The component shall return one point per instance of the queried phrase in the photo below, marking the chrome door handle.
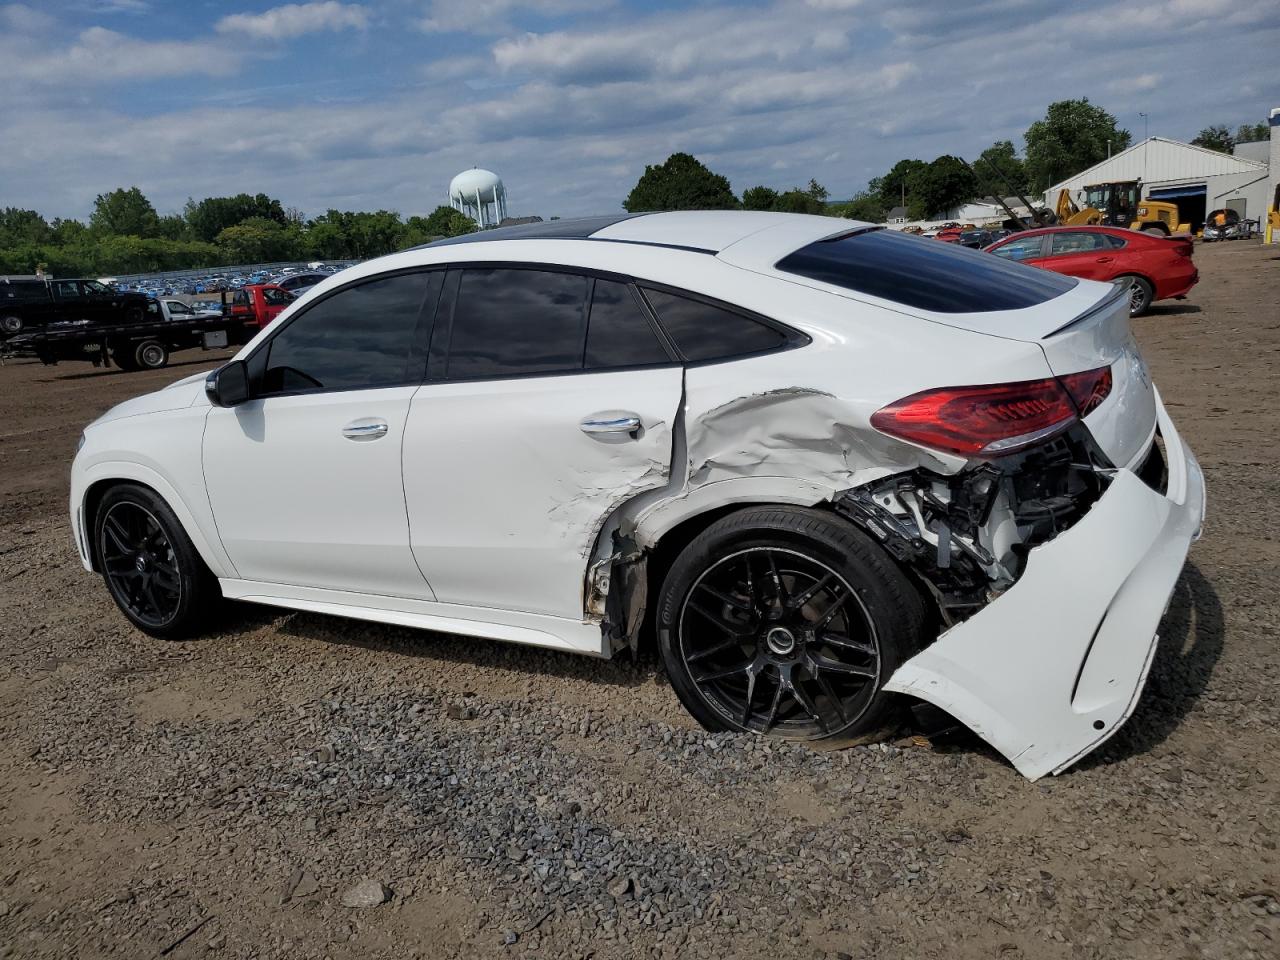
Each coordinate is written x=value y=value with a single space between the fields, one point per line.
x=610 y=422
x=367 y=429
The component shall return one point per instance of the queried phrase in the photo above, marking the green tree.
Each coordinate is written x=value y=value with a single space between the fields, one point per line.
x=23 y=226
x=1001 y=157
x=896 y=184
x=1217 y=137
x=124 y=213
x=259 y=240
x=68 y=232
x=759 y=198
x=810 y=199
x=865 y=206
x=447 y=222
x=680 y=183
x=942 y=184
x=1253 y=132
x=174 y=226
x=1073 y=136
x=212 y=215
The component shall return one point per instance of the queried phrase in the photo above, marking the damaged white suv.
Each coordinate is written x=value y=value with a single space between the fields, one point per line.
x=822 y=464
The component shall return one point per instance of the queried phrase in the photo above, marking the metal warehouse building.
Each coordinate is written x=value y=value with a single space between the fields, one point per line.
x=1199 y=181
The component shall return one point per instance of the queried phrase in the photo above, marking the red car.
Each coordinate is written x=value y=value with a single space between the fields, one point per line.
x=1160 y=268
x=257 y=304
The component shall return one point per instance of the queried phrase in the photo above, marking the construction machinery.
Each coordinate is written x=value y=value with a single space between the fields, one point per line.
x=1119 y=203
x=1272 y=226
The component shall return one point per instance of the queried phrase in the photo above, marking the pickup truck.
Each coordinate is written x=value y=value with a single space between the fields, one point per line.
x=257 y=304
x=33 y=303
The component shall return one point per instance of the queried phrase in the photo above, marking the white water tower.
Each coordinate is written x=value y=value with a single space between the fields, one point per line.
x=480 y=195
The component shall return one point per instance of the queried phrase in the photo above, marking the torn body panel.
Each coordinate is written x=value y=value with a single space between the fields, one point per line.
x=1051 y=668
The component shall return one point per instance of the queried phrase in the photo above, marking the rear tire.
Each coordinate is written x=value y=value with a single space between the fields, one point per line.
x=787 y=622
x=150 y=566
x=151 y=355
x=1140 y=295
x=10 y=324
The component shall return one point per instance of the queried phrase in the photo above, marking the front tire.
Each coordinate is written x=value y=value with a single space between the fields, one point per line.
x=151 y=568
x=787 y=622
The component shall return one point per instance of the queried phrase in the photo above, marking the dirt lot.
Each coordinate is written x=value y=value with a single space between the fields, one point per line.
x=222 y=797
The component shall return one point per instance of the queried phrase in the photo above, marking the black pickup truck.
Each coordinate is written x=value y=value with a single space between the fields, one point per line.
x=33 y=303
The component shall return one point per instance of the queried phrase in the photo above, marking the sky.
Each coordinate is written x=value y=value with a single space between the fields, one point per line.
x=377 y=104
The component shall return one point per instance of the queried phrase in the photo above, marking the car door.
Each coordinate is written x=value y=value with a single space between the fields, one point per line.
x=549 y=401
x=274 y=301
x=304 y=478
x=69 y=302
x=1082 y=253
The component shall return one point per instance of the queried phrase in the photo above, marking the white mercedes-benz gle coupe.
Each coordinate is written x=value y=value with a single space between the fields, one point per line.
x=820 y=464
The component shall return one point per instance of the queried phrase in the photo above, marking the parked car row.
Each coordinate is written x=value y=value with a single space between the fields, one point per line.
x=298 y=278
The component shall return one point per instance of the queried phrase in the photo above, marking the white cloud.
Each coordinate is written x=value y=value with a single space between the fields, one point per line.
x=296 y=19
x=101 y=56
x=491 y=16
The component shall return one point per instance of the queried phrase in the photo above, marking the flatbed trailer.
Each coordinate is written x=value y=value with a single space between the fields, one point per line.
x=130 y=346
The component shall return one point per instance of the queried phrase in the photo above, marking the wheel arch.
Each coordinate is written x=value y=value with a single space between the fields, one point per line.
x=103 y=476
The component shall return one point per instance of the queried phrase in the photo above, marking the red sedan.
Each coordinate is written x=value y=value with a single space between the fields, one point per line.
x=1160 y=268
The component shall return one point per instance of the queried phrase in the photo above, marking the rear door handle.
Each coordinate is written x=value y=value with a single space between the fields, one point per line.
x=1104 y=259
x=610 y=423
x=367 y=428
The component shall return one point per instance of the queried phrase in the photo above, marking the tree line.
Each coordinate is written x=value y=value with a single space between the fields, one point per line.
x=1072 y=136
x=126 y=235
x=1219 y=136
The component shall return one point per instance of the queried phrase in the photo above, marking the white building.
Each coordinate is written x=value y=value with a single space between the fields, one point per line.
x=1198 y=180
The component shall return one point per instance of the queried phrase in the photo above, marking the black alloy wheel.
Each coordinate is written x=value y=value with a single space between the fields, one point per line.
x=786 y=622
x=140 y=565
x=779 y=643
x=151 y=568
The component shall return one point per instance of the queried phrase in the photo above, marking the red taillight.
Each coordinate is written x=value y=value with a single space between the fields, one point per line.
x=995 y=419
x=1088 y=389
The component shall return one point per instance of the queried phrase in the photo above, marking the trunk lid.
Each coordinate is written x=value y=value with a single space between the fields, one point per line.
x=1125 y=422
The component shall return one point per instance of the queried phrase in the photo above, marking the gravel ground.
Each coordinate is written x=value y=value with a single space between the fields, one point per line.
x=302 y=786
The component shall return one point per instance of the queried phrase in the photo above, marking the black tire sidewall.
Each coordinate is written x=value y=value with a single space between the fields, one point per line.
x=198 y=587
x=891 y=601
x=139 y=350
x=1148 y=294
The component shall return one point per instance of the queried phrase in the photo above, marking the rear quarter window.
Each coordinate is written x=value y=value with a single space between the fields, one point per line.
x=923 y=273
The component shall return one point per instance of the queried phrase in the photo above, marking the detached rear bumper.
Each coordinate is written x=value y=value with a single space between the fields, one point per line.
x=1054 y=666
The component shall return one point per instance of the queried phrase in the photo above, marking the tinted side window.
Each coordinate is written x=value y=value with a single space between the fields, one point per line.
x=361 y=337
x=512 y=322
x=1077 y=242
x=925 y=274
x=618 y=332
x=704 y=332
x=277 y=298
x=1025 y=248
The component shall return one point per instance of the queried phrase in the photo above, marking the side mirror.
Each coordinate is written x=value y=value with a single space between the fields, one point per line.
x=228 y=385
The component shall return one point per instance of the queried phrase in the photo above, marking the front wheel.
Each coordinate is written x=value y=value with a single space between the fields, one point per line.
x=786 y=622
x=151 y=568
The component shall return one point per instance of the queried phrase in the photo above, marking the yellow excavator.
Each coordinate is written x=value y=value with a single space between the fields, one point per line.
x=1120 y=204
x=1273 y=218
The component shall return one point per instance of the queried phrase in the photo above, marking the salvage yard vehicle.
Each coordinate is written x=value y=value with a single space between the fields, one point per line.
x=821 y=465
x=145 y=344
x=257 y=304
x=31 y=303
x=1155 y=268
